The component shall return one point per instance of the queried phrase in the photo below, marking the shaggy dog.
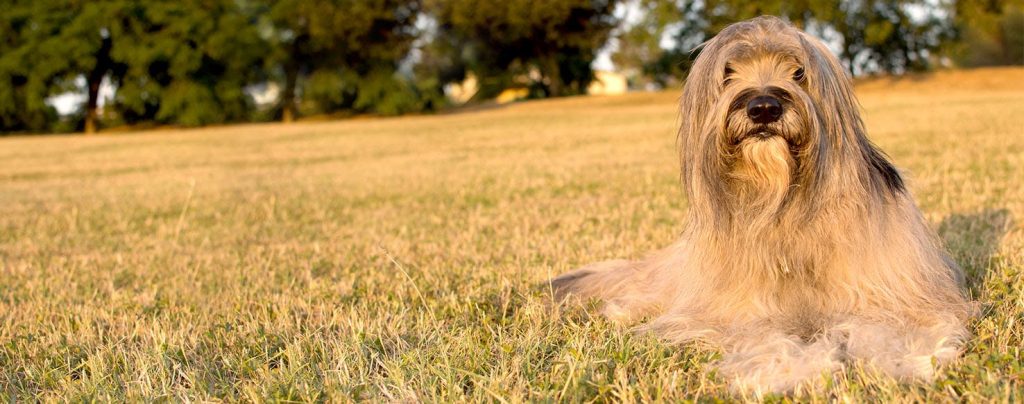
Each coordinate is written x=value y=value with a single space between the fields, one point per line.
x=802 y=250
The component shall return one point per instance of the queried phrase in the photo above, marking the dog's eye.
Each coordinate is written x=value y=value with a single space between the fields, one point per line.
x=728 y=75
x=798 y=75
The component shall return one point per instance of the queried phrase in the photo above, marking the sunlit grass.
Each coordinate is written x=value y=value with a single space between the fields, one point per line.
x=403 y=259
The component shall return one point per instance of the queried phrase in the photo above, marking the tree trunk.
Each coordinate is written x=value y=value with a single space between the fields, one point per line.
x=93 y=82
x=847 y=55
x=554 y=76
x=288 y=96
x=288 y=114
x=90 y=121
x=92 y=102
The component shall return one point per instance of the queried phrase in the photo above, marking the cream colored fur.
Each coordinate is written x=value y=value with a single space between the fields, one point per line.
x=802 y=252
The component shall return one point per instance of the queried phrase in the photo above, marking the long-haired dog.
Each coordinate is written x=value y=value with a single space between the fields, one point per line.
x=802 y=250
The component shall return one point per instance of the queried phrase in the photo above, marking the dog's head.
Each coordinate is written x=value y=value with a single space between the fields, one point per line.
x=766 y=108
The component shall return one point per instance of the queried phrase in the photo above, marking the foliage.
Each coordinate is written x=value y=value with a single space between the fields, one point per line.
x=882 y=36
x=334 y=54
x=548 y=45
x=991 y=32
x=641 y=54
x=199 y=62
x=872 y=35
x=23 y=89
x=187 y=63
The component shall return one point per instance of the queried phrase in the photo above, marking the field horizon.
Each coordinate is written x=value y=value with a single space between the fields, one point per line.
x=403 y=259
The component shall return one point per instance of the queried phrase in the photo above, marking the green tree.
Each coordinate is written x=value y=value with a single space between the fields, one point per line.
x=883 y=35
x=340 y=54
x=186 y=62
x=25 y=81
x=172 y=62
x=506 y=40
x=873 y=35
x=640 y=54
x=990 y=32
x=77 y=48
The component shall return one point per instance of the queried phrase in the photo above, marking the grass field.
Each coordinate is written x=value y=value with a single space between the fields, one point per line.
x=399 y=259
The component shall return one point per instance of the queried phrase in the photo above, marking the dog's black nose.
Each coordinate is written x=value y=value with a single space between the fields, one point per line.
x=764 y=109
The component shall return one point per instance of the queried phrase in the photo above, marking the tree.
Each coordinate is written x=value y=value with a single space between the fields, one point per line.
x=179 y=62
x=989 y=32
x=186 y=62
x=873 y=35
x=884 y=36
x=339 y=54
x=509 y=40
x=640 y=54
x=78 y=47
x=24 y=79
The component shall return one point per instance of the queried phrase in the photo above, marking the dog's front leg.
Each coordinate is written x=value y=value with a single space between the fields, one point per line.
x=622 y=287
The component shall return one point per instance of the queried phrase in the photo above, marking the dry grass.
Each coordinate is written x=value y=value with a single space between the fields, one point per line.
x=397 y=259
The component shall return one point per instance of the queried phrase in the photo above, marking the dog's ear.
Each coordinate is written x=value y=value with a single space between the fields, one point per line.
x=701 y=89
x=697 y=142
x=831 y=86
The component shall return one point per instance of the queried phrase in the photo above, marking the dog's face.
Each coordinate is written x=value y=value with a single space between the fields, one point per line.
x=766 y=109
x=764 y=89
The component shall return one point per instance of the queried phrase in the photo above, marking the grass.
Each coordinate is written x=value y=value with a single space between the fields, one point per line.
x=399 y=259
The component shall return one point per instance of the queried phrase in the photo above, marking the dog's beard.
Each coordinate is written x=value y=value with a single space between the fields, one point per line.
x=761 y=176
x=762 y=160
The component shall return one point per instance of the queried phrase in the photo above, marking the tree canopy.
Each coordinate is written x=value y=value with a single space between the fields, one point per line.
x=990 y=32
x=870 y=36
x=339 y=54
x=548 y=45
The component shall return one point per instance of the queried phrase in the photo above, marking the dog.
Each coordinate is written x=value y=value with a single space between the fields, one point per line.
x=803 y=251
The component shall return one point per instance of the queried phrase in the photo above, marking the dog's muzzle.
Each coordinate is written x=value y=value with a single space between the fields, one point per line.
x=764 y=109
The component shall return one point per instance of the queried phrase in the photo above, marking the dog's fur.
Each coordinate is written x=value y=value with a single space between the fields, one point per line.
x=802 y=250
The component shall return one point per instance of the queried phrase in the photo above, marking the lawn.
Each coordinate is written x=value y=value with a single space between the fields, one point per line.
x=401 y=259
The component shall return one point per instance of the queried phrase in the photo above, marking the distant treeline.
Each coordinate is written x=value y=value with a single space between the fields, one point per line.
x=198 y=62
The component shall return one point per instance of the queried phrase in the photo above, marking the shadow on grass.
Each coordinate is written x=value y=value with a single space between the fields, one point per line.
x=973 y=241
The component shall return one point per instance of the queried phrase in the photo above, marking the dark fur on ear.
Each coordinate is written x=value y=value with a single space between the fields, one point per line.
x=891 y=181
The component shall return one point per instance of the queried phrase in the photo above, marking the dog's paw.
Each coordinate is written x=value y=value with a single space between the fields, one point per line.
x=907 y=353
x=618 y=286
x=598 y=280
x=777 y=363
x=569 y=284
